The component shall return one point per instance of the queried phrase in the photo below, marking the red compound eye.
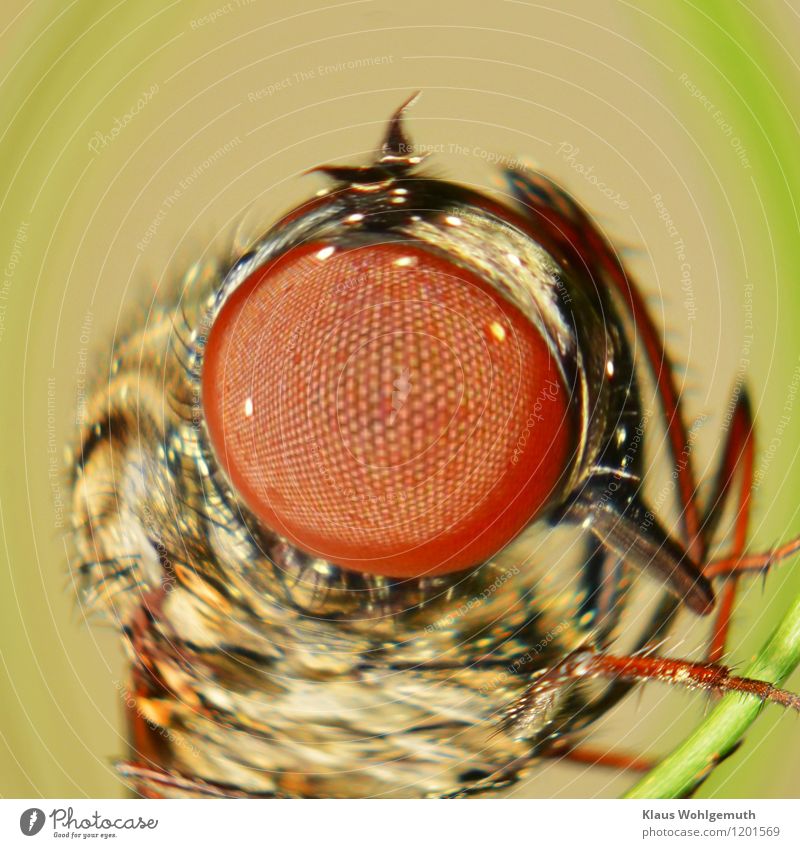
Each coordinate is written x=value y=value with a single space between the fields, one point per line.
x=384 y=409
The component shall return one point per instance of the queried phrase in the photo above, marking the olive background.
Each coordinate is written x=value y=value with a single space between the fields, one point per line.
x=645 y=111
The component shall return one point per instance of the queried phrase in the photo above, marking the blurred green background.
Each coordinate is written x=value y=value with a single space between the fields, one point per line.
x=648 y=111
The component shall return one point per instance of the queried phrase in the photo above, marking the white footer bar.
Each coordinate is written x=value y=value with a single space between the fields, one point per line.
x=401 y=824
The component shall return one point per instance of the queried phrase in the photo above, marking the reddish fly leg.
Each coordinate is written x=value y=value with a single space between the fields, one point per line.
x=586 y=663
x=736 y=461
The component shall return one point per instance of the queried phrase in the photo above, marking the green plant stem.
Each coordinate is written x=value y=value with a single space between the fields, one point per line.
x=678 y=773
